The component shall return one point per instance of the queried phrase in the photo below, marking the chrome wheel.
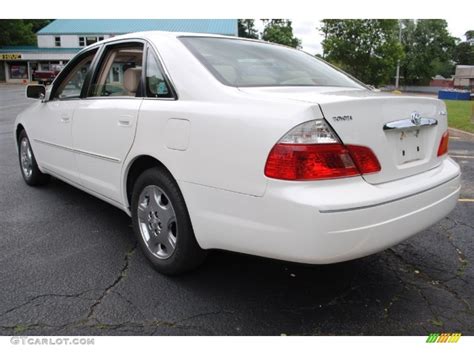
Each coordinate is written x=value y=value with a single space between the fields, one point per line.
x=26 y=157
x=157 y=222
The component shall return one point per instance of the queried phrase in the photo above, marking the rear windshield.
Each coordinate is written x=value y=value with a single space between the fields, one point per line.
x=246 y=63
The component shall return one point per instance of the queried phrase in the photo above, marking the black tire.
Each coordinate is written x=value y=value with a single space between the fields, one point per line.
x=36 y=178
x=187 y=254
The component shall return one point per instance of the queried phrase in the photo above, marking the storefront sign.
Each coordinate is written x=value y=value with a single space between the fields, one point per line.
x=10 y=56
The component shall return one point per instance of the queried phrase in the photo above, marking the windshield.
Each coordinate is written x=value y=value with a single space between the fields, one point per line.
x=246 y=63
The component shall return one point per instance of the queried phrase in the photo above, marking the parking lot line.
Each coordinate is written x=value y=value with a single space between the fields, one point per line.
x=466 y=200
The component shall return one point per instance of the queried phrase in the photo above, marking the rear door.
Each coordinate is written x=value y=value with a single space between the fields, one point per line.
x=105 y=121
x=403 y=132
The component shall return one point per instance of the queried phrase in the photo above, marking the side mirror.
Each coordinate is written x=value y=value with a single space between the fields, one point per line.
x=36 y=92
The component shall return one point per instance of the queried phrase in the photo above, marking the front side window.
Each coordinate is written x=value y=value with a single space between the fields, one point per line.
x=243 y=63
x=156 y=85
x=71 y=86
x=119 y=72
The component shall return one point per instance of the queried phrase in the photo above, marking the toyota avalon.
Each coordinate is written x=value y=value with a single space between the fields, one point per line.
x=214 y=142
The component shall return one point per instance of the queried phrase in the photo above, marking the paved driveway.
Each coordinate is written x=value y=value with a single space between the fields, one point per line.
x=69 y=265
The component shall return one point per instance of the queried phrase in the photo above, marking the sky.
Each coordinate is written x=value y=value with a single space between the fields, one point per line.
x=311 y=37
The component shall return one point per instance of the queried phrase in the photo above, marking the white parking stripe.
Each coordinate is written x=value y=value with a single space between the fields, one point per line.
x=462 y=156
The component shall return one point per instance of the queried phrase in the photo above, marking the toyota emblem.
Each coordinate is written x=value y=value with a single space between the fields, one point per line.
x=416 y=118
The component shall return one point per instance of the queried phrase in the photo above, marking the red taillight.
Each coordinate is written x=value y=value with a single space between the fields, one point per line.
x=312 y=151
x=443 y=144
x=319 y=161
x=364 y=158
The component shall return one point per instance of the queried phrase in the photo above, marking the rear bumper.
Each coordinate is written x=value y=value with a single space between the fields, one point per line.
x=322 y=222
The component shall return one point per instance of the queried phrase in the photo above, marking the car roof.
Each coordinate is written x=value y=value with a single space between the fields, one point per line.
x=164 y=34
x=156 y=35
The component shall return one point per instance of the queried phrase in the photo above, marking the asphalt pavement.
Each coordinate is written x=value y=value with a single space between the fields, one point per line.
x=69 y=265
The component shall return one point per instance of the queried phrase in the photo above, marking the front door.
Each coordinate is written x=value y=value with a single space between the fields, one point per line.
x=52 y=130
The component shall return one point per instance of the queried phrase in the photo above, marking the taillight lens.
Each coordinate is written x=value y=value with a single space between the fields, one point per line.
x=309 y=162
x=364 y=158
x=312 y=151
x=443 y=144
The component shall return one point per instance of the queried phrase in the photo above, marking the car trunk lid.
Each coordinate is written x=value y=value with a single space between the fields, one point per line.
x=404 y=132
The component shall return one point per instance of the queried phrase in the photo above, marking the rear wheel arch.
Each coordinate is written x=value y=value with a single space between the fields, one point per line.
x=136 y=167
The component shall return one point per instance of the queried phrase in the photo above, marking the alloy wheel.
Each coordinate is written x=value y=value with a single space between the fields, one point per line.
x=26 y=157
x=157 y=222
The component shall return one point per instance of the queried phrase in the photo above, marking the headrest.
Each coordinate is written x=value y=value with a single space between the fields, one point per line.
x=131 y=78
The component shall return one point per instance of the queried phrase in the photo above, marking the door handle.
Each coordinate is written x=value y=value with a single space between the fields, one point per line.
x=124 y=123
x=65 y=118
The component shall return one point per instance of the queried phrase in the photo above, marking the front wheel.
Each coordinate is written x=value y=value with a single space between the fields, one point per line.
x=162 y=225
x=29 y=168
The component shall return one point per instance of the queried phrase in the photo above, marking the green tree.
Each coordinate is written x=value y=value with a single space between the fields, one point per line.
x=247 y=28
x=429 y=50
x=37 y=25
x=367 y=49
x=16 y=32
x=464 y=54
x=280 y=31
x=20 y=32
x=469 y=35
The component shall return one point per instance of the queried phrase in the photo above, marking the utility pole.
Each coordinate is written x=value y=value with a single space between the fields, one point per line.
x=397 y=78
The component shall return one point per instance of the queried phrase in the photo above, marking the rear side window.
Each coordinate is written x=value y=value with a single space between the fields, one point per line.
x=119 y=72
x=243 y=63
x=156 y=84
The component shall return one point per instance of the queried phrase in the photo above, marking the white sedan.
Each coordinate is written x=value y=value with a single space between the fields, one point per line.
x=213 y=142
